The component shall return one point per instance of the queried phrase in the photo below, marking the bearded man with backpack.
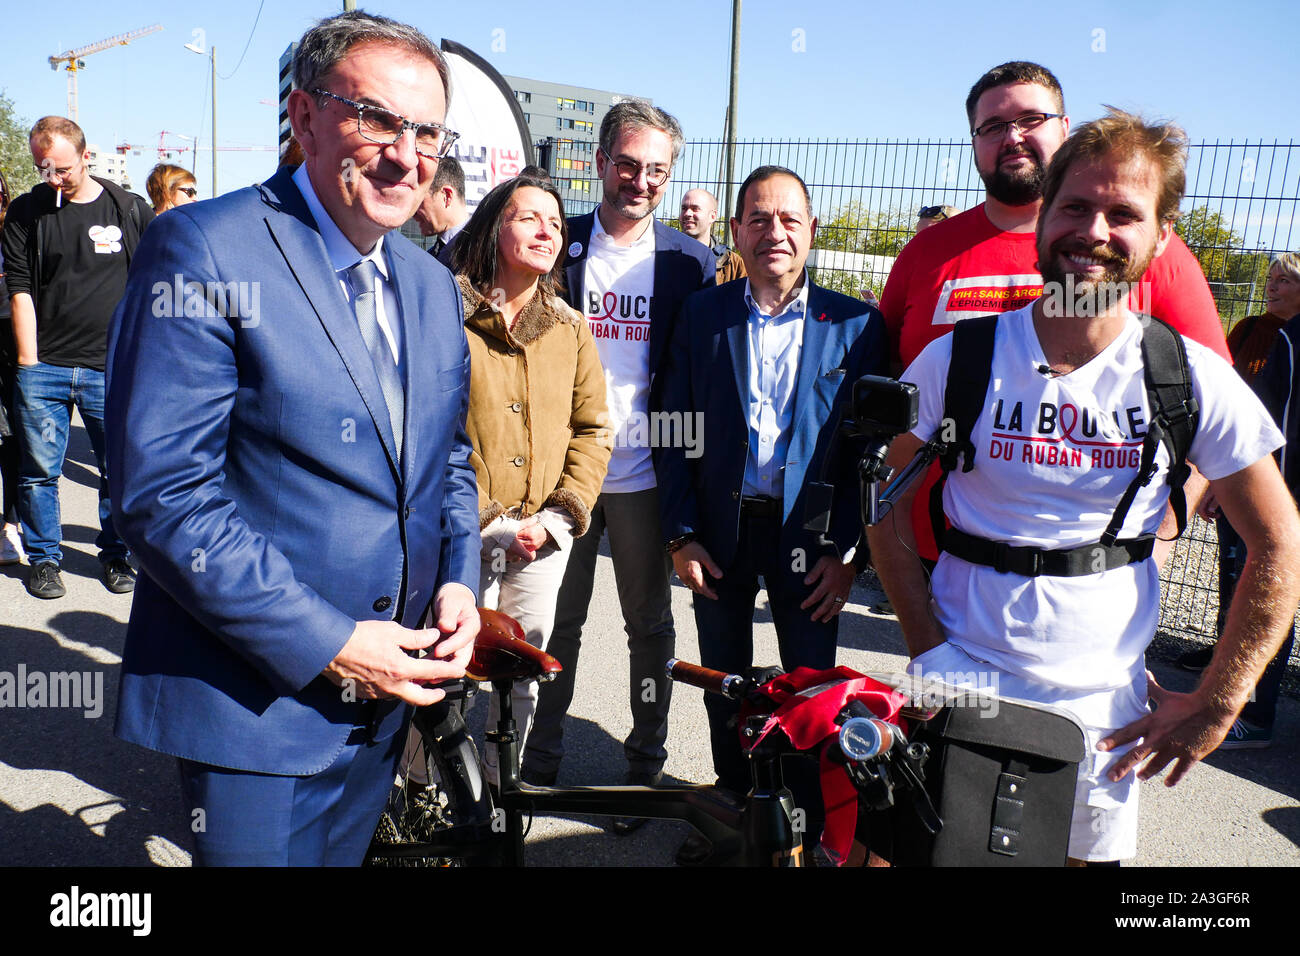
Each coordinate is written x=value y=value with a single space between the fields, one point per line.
x=1083 y=417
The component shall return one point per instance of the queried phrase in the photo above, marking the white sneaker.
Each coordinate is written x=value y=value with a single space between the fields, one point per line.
x=11 y=545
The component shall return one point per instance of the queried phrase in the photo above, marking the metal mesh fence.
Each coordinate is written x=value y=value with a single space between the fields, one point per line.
x=1239 y=211
x=1189 y=584
x=1189 y=593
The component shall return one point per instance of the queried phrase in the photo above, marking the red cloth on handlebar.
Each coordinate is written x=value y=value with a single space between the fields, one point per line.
x=807 y=703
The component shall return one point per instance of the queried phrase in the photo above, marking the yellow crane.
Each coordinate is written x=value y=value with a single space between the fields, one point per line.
x=74 y=61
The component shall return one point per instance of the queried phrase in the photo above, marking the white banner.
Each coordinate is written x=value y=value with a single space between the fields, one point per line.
x=494 y=143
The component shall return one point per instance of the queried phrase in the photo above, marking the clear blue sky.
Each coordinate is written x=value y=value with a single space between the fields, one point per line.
x=823 y=68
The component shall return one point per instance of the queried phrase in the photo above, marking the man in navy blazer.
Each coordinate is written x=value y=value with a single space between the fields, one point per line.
x=766 y=365
x=628 y=274
x=287 y=386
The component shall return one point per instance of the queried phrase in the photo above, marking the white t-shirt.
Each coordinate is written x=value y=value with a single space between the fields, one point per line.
x=1053 y=457
x=617 y=285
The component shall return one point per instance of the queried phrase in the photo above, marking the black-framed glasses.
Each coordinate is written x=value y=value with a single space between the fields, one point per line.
x=628 y=170
x=1026 y=123
x=190 y=191
x=432 y=140
x=932 y=212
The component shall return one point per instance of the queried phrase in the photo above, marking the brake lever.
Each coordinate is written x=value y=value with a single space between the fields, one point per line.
x=911 y=765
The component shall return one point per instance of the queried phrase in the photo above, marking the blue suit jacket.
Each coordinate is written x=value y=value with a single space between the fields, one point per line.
x=708 y=373
x=682 y=266
x=255 y=478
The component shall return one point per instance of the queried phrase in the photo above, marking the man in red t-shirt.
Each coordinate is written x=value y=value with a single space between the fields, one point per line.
x=984 y=260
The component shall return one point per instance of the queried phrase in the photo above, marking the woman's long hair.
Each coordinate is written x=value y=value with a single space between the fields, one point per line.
x=475 y=254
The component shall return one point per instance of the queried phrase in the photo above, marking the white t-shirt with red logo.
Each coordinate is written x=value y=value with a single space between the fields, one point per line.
x=618 y=282
x=1053 y=457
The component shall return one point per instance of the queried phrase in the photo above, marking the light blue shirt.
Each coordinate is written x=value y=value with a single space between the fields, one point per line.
x=344 y=255
x=774 y=343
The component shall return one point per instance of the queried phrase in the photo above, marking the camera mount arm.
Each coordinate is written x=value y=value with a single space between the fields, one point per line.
x=872 y=471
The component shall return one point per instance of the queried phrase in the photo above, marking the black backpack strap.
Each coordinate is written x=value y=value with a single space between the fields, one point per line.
x=963 y=401
x=1174 y=417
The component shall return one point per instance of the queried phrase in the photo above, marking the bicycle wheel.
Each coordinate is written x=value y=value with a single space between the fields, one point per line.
x=450 y=807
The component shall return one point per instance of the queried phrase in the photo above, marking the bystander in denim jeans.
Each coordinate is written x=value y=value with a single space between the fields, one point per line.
x=44 y=396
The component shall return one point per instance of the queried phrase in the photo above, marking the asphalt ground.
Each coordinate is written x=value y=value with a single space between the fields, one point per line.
x=72 y=794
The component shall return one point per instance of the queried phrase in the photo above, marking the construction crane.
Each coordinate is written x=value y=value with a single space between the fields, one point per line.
x=165 y=150
x=75 y=63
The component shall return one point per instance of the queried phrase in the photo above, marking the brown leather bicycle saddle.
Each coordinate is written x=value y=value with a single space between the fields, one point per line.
x=502 y=654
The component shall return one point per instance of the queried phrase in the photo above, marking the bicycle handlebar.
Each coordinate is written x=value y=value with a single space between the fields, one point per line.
x=716 y=682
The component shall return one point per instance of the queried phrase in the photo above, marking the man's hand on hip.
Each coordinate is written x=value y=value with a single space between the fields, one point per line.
x=1184 y=729
x=832 y=580
x=690 y=562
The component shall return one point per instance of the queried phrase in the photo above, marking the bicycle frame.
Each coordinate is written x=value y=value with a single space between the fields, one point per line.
x=755 y=831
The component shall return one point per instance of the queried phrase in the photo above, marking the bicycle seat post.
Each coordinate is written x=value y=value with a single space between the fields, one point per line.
x=505 y=737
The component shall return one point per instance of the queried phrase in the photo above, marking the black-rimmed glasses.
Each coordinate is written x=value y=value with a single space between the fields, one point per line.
x=190 y=191
x=1026 y=123
x=432 y=140
x=628 y=170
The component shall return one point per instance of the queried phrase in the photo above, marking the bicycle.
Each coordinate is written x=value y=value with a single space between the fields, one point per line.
x=458 y=820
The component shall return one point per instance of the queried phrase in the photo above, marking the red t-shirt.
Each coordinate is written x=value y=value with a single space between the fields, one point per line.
x=965 y=266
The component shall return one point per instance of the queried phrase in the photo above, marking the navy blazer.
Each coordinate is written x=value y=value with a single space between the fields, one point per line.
x=707 y=374
x=255 y=477
x=1276 y=387
x=682 y=266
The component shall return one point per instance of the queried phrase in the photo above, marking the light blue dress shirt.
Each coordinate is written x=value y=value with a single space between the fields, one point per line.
x=774 y=343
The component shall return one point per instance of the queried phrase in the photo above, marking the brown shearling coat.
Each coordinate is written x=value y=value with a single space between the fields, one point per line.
x=537 y=416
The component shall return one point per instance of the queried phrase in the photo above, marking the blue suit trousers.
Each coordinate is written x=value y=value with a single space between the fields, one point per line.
x=726 y=636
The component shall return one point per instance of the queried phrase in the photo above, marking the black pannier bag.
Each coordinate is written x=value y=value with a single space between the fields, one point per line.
x=1002 y=780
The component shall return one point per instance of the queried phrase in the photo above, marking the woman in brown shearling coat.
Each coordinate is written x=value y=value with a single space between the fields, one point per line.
x=537 y=417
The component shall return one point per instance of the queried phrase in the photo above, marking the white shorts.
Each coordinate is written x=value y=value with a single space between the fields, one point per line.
x=1105 y=813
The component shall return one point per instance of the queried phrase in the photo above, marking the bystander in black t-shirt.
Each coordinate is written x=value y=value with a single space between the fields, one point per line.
x=83 y=273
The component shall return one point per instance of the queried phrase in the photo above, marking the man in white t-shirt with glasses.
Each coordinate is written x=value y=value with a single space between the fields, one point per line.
x=628 y=274
x=1056 y=445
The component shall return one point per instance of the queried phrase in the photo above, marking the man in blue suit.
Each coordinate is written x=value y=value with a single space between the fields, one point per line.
x=767 y=364
x=628 y=274
x=287 y=388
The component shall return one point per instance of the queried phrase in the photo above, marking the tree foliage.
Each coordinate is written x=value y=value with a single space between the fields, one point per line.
x=15 y=155
x=1236 y=276
x=856 y=228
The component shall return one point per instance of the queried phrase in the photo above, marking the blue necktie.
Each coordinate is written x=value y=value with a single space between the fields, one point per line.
x=362 y=279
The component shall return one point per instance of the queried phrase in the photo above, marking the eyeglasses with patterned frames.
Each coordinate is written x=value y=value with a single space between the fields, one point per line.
x=432 y=140
x=190 y=191
x=1027 y=123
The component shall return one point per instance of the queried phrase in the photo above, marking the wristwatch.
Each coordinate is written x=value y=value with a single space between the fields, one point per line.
x=675 y=545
